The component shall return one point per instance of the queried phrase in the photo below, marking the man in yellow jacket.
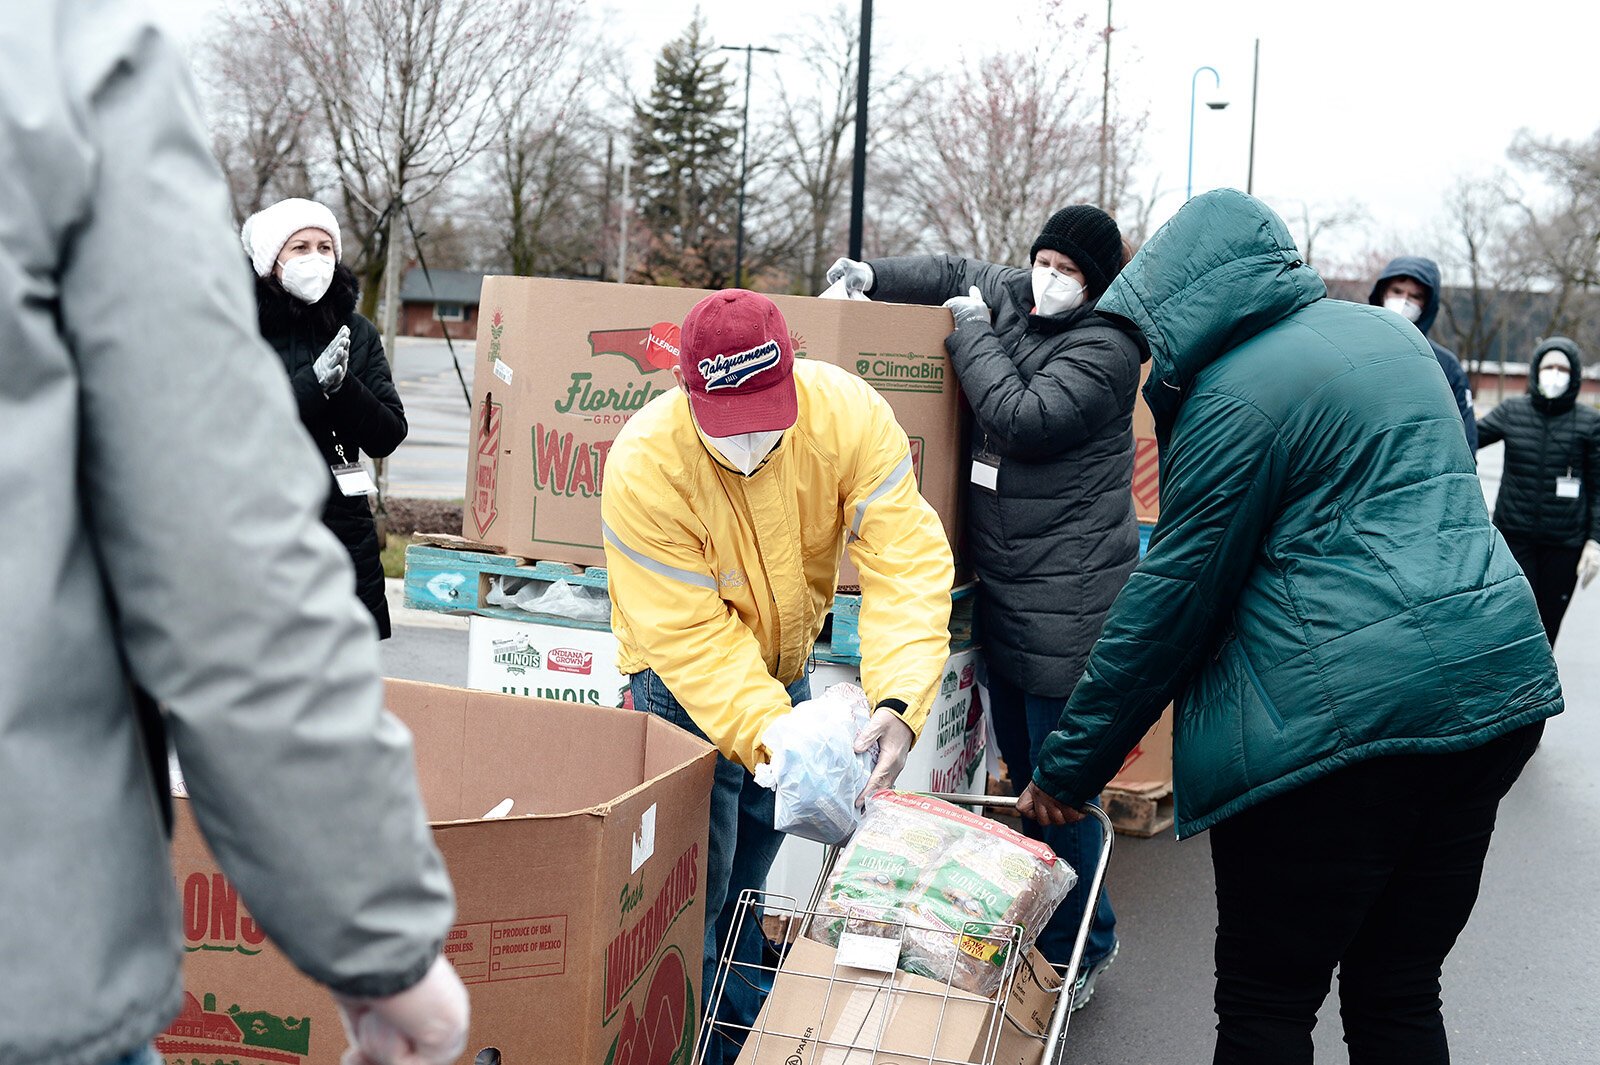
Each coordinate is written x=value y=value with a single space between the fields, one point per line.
x=728 y=505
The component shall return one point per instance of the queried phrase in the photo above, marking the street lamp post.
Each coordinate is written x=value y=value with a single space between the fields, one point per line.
x=1255 y=80
x=1216 y=104
x=744 y=154
x=858 y=168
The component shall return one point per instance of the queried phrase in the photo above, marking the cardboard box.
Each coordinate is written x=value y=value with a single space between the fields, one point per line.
x=825 y=1011
x=949 y=756
x=563 y=365
x=1149 y=764
x=1139 y=800
x=544 y=661
x=1146 y=464
x=581 y=917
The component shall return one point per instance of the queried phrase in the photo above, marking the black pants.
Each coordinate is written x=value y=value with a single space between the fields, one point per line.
x=1553 y=572
x=1373 y=869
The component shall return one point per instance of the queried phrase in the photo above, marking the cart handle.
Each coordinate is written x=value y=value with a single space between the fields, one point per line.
x=991 y=802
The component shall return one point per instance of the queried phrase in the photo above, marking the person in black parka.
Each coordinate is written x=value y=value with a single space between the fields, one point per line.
x=1050 y=526
x=306 y=300
x=1547 y=508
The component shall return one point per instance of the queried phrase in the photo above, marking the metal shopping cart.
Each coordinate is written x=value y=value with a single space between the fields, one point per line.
x=854 y=1006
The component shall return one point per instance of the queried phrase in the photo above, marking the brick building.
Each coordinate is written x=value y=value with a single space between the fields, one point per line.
x=438 y=300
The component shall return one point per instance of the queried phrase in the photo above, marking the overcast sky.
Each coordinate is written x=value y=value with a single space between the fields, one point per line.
x=1385 y=105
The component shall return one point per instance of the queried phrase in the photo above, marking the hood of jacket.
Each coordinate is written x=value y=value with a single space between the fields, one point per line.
x=1424 y=272
x=1221 y=270
x=1568 y=399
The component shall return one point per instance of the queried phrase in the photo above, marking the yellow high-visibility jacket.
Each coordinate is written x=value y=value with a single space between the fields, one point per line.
x=720 y=583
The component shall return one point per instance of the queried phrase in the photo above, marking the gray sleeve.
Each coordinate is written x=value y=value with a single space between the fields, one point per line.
x=932 y=279
x=234 y=604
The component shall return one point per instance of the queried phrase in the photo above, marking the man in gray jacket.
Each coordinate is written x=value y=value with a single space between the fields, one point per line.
x=159 y=503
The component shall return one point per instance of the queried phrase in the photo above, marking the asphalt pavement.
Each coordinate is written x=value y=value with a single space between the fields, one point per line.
x=1520 y=986
x=432 y=463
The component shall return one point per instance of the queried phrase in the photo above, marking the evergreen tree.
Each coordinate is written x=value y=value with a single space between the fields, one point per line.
x=686 y=167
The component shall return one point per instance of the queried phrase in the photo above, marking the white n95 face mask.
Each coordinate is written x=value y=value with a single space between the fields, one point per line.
x=1410 y=310
x=1553 y=383
x=745 y=452
x=1055 y=292
x=307 y=277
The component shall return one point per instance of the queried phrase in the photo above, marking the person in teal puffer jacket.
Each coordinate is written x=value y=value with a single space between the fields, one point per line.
x=1359 y=668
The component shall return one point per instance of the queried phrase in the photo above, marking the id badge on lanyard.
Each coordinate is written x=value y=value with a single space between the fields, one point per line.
x=1567 y=487
x=985 y=466
x=351 y=477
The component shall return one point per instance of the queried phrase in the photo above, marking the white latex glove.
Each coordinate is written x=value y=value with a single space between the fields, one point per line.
x=334 y=362
x=857 y=276
x=426 y=1024
x=1588 y=563
x=893 y=737
x=969 y=307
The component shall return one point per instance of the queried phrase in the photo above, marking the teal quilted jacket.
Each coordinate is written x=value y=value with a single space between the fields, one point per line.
x=1324 y=585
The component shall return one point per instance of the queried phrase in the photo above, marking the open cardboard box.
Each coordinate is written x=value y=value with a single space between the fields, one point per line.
x=580 y=916
x=822 y=1011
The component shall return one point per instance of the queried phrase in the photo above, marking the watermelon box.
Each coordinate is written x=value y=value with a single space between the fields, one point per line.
x=580 y=914
x=563 y=365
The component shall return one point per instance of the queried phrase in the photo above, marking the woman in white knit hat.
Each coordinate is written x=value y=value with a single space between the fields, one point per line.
x=306 y=298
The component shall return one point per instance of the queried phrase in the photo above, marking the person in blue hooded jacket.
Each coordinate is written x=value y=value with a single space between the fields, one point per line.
x=1409 y=286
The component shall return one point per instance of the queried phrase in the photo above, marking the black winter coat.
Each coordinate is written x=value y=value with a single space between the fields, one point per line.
x=1547 y=439
x=364 y=415
x=1053 y=399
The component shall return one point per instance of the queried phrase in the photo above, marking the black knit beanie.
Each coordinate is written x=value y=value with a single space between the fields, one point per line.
x=1089 y=237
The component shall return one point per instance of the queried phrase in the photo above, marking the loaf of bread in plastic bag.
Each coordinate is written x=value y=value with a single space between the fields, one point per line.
x=950 y=883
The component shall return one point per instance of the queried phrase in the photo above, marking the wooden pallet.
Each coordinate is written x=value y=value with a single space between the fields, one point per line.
x=457 y=579
x=1143 y=812
x=450 y=575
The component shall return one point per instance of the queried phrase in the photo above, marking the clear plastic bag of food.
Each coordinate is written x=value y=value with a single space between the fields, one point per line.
x=964 y=883
x=814 y=769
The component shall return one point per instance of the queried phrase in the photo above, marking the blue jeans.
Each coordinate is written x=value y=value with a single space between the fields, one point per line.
x=1021 y=724
x=742 y=847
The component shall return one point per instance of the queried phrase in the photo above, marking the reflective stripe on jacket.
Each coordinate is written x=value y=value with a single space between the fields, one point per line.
x=720 y=583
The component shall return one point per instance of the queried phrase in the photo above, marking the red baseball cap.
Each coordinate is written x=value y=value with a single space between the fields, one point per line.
x=738 y=362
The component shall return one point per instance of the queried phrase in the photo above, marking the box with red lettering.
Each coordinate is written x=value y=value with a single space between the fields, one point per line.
x=580 y=913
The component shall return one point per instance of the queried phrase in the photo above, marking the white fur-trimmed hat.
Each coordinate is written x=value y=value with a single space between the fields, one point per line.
x=266 y=232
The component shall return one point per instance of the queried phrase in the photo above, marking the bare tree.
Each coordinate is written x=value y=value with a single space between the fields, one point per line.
x=983 y=158
x=1558 y=238
x=816 y=122
x=1319 y=219
x=548 y=195
x=265 y=127
x=410 y=92
x=1477 y=249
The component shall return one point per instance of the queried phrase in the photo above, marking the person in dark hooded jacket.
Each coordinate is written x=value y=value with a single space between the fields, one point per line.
x=1547 y=508
x=1050 y=524
x=306 y=300
x=1409 y=286
x=1355 y=659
